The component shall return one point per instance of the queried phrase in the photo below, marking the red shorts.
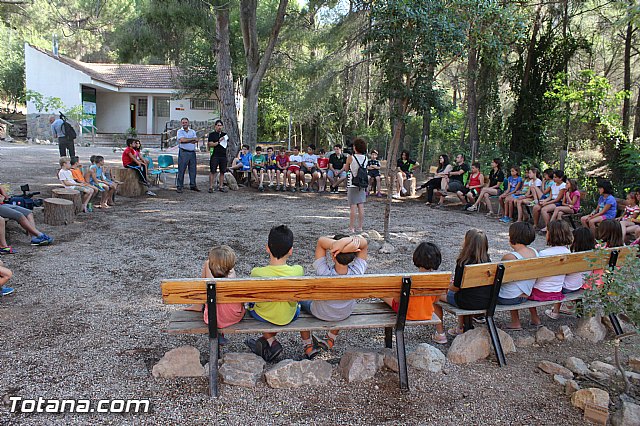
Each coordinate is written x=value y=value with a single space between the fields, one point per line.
x=294 y=168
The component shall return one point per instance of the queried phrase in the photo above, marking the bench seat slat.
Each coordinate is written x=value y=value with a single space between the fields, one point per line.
x=505 y=308
x=189 y=322
x=228 y=290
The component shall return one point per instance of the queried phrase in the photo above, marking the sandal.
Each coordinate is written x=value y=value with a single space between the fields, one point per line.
x=455 y=331
x=551 y=314
x=439 y=338
x=7 y=250
x=326 y=343
x=512 y=327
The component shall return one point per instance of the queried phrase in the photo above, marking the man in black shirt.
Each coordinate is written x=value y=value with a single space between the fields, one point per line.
x=456 y=177
x=217 y=144
x=337 y=168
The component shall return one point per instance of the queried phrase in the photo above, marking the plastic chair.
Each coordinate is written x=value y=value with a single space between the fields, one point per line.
x=151 y=170
x=166 y=166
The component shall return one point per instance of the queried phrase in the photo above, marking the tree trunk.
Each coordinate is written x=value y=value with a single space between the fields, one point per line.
x=626 y=103
x=398 y=111
x=58 y=211
x=426 y=130
x=472 y=100
x=222 y=52
x=636 y=126
x=256 y=65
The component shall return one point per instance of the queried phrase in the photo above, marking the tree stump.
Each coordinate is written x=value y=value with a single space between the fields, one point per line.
x=130 y=186
x=410 y=186
x=58 y=211
x=71 y=195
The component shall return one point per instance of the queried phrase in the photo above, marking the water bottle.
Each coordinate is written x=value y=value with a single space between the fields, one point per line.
x=90 y=207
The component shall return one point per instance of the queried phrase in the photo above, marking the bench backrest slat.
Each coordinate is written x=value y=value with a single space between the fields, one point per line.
x=524 y=269
x=235 y=290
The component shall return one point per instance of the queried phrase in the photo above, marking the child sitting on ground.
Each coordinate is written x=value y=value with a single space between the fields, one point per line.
x=559 y=238
x=426 y=258
x=349 y=256
x=521 y=235
x=66 y=178
x=5 y=276
x=373 y=170
x=220 y=264
x=280 y=248
x=506 y=198
x=475 y=250
x=583 y=240
x=606 y=209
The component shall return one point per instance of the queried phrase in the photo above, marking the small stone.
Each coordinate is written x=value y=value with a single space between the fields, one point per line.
x=591 y=329
x=570 y=387
x=427 y=358
x=374 y=246
x=476 y=344
x=374 y=235
x=241 y=369
x=627 y=415
x=390 y=359
x=553 y=368
x=561 y=380
x=603 y=367
x=633 y=377
x=544 y=335
x=525 y=341
x=590 y=395
x=179 y=362
x=599 y=376
x=387 y=248
x=564 y=333
x=360 y=365
x=295 y=374
x=634 y=363
x=577 y=366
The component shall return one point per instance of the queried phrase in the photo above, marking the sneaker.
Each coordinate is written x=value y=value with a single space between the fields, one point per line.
x=508 y=220
x=210 y=191
x=261 y=188
x=7 y=291
x=179 y=190
x=503 y=219
x=491 y=215
x=480 y=319
x=283 y=188
x=396 y=196
x=41 y=240
x=403 y=191
x=439 y=338
x=195 y=188
x=7 y=250
x=551 y=314
x=277 y=187
x=292 y=189
x=326 y=343
x=455 y=331
x=261 y=347
x=310 y=351
x=304 y=189
x=472 y=208
x=153 y=194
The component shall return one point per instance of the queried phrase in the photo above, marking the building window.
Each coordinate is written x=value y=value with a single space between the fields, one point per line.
x=208 y=104
x=162 y=107
x=142 y=107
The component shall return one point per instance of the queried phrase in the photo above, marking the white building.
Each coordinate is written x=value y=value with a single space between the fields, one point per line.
x=113 y=97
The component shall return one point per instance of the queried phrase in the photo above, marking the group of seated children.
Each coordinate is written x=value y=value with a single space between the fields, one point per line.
x=348 y=257
x=287 y=172
x=88 y=181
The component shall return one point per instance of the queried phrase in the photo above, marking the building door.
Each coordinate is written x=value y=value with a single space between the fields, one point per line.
x=132 y=107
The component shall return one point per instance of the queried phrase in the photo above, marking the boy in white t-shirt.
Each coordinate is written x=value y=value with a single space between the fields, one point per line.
x=66 y=178
x=349 y=256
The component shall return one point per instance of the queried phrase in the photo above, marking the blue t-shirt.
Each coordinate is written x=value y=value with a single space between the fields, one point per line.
x=611 y=213
x=513 y=182
x=246 y=160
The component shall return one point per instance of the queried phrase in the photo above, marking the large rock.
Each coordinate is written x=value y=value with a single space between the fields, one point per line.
x=590 y=395
x=544 y=335
x=390 y=359
x=427 y=358
x=476 y=344
x=179 y=362
x=294 y=374
x=577 y=366
x=360 y=365
x=564 y=333
x=525 y=341
x=627 y=415
x=592 y=329
x=241 y=369
x=553 y=368
x=603 y=367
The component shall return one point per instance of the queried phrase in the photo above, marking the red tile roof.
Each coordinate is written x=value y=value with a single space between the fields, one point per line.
x=124 y=75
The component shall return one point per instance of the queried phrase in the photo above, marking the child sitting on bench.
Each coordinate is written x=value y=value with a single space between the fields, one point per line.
x=349 y=256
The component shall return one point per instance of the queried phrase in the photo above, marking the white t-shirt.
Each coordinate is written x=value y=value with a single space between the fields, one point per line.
x=574 y=281
x=335 y=310
x=66 y=175
x=537 y=183
x=309 y=160
x=516 y=288
x=297 y=158
x=554 y=283
x=353 y=168
x=555 y=189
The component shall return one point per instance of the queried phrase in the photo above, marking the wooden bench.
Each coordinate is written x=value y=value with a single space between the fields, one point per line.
x=497 y=273
x=366 y=315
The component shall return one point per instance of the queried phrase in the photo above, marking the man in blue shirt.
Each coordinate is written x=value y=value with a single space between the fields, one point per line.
x=187 y=141
x=64 y=143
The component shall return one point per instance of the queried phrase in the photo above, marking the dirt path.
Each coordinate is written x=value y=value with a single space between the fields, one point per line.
x=86 y=318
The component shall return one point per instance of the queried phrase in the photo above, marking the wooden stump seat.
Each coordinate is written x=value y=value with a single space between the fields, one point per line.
x=130 y=186
x=58 y=211
x=71 y=195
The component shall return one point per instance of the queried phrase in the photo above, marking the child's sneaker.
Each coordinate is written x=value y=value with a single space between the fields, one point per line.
x=40 y=240
x=551 y=314
x=326 y=343
x=439 y=338
x=7 y=291
x=261 y=188
x=310 y=351
x=7 y=250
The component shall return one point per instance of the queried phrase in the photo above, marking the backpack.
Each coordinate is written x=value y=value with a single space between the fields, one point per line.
x=69 y=131
x=361 y=179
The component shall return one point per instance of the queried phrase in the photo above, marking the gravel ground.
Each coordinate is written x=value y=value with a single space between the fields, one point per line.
x=86 y=318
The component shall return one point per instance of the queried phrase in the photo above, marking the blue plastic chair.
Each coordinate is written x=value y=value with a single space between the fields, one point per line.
x=166 y=166
x=155 y=173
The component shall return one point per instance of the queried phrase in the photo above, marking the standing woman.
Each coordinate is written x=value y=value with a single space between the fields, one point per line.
x=356 y=195
x=436 y=181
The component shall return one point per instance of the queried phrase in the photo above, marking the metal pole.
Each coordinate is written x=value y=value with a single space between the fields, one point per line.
x=289 y=138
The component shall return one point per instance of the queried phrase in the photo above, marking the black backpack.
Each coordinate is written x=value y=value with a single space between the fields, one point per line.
x=361 y=179
x=69 y=131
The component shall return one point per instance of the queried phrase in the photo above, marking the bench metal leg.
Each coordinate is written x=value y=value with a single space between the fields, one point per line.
x=402 y=360
x=468 y=323
x=495 y=339
x=388 y=337
x=616 y=324
x=213 y=367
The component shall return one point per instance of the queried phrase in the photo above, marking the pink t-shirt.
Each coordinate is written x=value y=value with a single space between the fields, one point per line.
x=228 y=313
x=576 y=205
